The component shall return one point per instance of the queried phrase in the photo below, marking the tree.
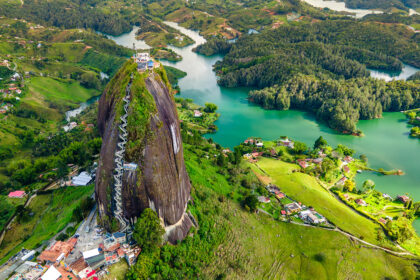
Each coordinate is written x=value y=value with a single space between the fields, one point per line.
x=86 y=205
x=363 y=158
x=349 y=186
x=320 y=142
x=148 y=231
x=62 y=236
x=184 y=104
x=345 y=150
x=142 y=268
x=368 y=185
x=62 y=169
x=89 y=80
x=299 y=147
x=210 y=108
x=320 y=257
x=221 y=160
x=238 y=155
x=251 y=202
x=327 y=165
x=22 y=214
x=77 y=214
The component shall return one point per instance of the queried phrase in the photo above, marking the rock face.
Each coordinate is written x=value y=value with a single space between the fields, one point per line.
x=154 y=143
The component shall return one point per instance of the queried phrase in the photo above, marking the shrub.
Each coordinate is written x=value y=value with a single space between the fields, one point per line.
x=61 y=237
x=320 y=257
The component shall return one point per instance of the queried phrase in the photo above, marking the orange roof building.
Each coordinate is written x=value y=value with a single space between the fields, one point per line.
x=65 y=274
x=59 y=248
x=78 y=265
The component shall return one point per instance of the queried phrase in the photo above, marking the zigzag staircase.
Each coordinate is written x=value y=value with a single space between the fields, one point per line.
x=119 y=162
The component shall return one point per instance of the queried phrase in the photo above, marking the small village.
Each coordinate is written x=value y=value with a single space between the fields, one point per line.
x=11 y=90
x=379 y=207
x=291 y=210
x=84 y=256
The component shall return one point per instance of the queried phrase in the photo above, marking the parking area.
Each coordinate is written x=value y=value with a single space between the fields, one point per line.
x=88 y=237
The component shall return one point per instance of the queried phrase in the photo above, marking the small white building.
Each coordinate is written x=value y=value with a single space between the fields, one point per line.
x=263 y=199
x=387 y=196
x=197 y=114
x=51 y=274
x=287 y=143
x=82 y=179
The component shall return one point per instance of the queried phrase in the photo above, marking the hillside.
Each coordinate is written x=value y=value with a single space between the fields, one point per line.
x=45 y=72
x=220 y=248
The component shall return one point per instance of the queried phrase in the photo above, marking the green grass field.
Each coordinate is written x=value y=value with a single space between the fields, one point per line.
x=255 y=246
x=51 y=213
x=7 y=208
x=60 y=93
x=116 y=271
x=306 y=189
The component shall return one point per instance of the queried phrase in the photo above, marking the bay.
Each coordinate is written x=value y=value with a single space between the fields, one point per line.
x=386 y=142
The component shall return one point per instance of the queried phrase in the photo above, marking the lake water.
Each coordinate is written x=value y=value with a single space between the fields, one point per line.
x=81 y=108
x=128 y=39
x=406 y=72
x=341 y=7
x=386 y=141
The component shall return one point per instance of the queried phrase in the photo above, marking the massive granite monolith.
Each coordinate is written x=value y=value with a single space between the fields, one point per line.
x=154 y=144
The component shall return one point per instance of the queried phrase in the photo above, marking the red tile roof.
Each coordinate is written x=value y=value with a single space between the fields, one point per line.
x=57 y=249
x=113 y=247
x=346 y=168
x=120 y=252
x=382 y=220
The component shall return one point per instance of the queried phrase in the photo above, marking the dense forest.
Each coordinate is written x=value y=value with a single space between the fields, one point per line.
x=334 y=49
x=393 y=18
x=214 y=46
x=67 y=14
x=340 y=103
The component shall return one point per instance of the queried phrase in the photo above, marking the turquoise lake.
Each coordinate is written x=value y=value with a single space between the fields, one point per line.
x=386 y=142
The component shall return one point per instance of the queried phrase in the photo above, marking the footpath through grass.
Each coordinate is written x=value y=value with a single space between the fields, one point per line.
x=51 y=213
x=307 y=190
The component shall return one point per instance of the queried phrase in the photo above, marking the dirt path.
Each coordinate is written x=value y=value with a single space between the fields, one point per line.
x=352 y=237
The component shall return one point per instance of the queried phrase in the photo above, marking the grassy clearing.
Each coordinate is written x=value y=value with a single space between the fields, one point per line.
x=306 y=189
x=60 y=93
x=7 y=208
x=116 y=271
x=51 y=213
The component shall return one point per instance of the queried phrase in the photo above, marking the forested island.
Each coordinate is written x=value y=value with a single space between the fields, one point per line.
x=322 y=68
x=340 y=103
